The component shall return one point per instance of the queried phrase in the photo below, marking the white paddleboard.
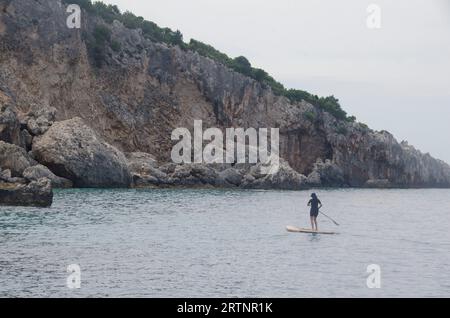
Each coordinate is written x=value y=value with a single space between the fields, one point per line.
x=301 y=230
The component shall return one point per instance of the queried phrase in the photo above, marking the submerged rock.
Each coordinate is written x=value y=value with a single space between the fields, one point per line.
x=37 y=193
x=72 y=150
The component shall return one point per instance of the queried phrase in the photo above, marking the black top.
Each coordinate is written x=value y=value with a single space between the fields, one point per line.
x=314 y=205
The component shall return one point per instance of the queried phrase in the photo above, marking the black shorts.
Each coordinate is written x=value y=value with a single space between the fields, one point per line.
x=314 y=213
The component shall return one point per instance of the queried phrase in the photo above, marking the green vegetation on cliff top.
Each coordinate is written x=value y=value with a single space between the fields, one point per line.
x=240 y=64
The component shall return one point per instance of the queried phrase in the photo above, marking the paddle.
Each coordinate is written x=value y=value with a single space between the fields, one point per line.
x=329 y=218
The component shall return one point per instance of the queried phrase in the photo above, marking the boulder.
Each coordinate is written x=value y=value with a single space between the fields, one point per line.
x=205 y=174
x=232 y=176
x=168 y=168
x=144 y=170
x=152 y=178
x=39 y=171
x=314 y=179
x=14 y=158
x=5 y=175
x=37 y=193
x=326 y=174
x=190 y=175
x=182 y=171
x=284 y=177
x=140 y=162
x=248 y=179
x=140 y=181
x=38 y=126
x=72 y=150
x=47 y=113
x=40 y=120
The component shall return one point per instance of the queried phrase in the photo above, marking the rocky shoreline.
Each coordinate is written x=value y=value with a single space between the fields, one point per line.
x=36 y=193
x=69 y=154
x=74 y=123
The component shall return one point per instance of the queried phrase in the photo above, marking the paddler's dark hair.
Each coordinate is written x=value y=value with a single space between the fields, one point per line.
x=313 y=195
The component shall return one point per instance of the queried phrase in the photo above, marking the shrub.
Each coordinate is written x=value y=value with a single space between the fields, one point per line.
x=131 y=21
x=102 y=34
x=109 y=12
x=297 y=95
x=259 y=75
x=173 y=38
x=341 y=130
x=309 y=116
x=84 y=4
x=97 y=43
x=351 y=119
x=209 y=51
x=242 y=65
x=115 y=46
x=364 y=126
x=152 y=31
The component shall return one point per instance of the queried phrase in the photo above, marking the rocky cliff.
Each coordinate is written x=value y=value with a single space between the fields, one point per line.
x=128 y=97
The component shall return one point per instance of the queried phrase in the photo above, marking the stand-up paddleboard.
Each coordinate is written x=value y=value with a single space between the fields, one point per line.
x=300 y=230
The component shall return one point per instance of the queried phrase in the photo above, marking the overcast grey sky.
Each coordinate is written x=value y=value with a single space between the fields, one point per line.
x=395 y=78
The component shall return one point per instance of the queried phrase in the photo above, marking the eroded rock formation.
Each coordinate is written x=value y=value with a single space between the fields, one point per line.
x=73 y=151
x=110 y=124
x=37 y=193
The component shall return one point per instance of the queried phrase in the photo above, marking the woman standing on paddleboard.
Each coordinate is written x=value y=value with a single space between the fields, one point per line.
x=315 y=206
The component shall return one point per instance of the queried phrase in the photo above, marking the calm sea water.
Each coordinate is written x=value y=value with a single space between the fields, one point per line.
x=207 y=243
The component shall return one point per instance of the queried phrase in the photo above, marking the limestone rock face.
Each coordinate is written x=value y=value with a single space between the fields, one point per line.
x=37 y=193
x=10 y=126
x=143 y=91
x=72 y=150
x=326 y=173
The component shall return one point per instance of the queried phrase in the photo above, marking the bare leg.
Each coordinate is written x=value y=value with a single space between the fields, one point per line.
x=312 y=223
x=315 y=222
